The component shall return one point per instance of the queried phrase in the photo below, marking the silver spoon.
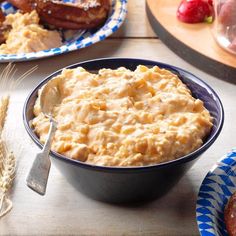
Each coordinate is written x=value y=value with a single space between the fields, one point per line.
x=38 y=175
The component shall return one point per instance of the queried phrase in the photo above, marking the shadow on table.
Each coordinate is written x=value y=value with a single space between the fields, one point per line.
x=179 y=201
x=172 y=214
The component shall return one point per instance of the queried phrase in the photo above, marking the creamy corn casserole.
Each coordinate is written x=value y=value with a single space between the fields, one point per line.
x=125 y=118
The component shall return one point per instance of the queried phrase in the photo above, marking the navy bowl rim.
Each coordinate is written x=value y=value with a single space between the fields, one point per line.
x=189 y=157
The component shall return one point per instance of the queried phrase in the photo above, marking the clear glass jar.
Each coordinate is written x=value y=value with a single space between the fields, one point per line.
x=225 y=24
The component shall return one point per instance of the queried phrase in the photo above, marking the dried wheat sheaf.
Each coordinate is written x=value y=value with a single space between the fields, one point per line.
x=7 y=158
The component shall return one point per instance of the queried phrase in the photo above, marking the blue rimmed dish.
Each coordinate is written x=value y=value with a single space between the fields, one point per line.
x=73 y=40
x=215 y=191
x=129 y=184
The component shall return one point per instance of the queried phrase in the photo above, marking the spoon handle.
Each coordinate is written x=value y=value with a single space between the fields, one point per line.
x=38 y=175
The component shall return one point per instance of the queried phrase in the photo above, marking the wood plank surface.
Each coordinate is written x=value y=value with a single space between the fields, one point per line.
x=136 y=23
x=194 y=42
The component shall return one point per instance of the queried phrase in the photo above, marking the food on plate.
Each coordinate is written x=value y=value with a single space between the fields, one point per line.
x=79 y=14
x=226 y=24
x=23 y=34
x=195 y=11
x=230 y=215
x=124 y=118
x=2 y=28
x=2 y=17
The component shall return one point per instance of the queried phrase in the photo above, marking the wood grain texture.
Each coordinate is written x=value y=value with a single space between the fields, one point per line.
x=136 y=23
x=194 y=42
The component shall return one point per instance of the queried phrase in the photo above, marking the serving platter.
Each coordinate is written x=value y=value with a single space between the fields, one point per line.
x=215 y=191
x=193 y=42
x=73 y=40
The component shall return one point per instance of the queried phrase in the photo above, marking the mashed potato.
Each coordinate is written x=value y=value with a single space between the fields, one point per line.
x=125 y=118
x=26 y=35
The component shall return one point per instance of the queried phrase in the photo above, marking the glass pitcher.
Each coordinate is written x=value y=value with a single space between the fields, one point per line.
x=225 y=24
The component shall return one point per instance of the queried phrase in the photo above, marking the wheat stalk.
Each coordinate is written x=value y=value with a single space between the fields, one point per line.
x=7 y=175
x=7 y=162
x=7 y=158
x=3 y=111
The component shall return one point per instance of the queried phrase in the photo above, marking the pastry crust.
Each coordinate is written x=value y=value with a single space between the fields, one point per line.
x=230 y=215
x=82 y=14
x=2 y=28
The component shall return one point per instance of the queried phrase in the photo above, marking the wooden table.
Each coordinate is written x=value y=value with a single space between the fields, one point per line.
x=64 y=211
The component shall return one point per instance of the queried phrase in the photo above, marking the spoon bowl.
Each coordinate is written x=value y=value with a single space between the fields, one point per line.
x=50 y=96
x=38 y=175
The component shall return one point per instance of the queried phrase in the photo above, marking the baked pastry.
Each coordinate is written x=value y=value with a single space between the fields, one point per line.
x=81 y=14
x=230 y=215
x=3 y=28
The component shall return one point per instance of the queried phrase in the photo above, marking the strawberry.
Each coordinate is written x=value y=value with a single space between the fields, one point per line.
x=210 y=2
x=195 y=11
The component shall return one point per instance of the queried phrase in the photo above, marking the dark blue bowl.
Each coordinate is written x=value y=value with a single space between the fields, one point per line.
x=126 y=184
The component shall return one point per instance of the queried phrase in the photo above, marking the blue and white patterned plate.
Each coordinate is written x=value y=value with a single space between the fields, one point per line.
x=217 y=187
x=74 y=40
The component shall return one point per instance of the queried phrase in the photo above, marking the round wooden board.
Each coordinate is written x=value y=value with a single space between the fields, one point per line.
x=193 y=42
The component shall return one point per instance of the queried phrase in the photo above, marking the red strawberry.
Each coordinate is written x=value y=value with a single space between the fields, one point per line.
x=210 y=2
x=195 y=11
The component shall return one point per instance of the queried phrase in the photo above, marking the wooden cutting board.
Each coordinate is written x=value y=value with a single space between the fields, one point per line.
x=193 y=42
